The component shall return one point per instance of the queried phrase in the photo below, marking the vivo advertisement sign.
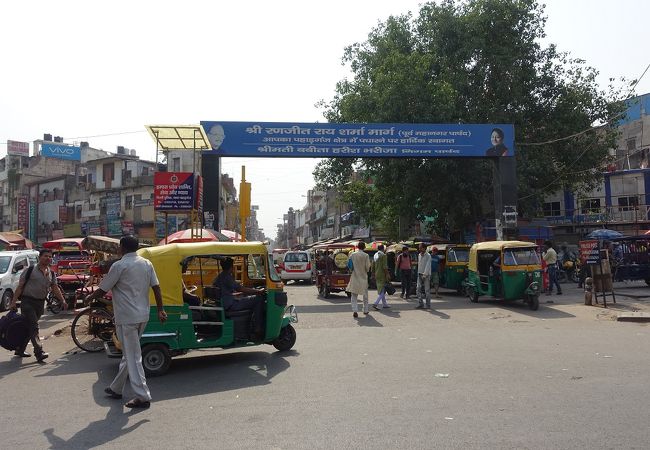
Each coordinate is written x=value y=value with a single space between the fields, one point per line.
x=360 y=140
x=61 y=151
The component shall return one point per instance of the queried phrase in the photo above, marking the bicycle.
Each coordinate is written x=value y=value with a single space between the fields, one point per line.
x=93 y=326
x=53 y=303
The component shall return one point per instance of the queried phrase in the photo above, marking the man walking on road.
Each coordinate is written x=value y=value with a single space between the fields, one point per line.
x=358 y=284
x=435 y=271
x=403 y=267
x=550 y=257
x=33 y=287
x=130 y=279
x=380 y=267
x=424 y=278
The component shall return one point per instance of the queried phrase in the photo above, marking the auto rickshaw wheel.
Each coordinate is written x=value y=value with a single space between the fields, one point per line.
x=533 y=302
x=472 y=294
x=286 y=339
x=156 y=359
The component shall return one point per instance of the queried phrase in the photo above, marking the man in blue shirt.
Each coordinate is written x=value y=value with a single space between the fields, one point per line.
x=225 y=281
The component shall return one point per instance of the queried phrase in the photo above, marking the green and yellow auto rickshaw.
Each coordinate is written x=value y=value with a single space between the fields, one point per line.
x=504 y=270
x=454 y=259
x=198 y=320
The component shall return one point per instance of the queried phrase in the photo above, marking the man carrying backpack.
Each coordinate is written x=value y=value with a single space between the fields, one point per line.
x=32 y=290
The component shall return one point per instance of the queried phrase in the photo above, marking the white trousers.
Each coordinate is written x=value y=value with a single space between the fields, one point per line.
x=381 y=298
x=131 y=363
x=355 y=307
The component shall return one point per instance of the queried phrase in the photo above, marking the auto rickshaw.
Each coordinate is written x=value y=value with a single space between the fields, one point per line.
x=504 y=270
x=187 y=267
x=332 y=273
x=454 y=259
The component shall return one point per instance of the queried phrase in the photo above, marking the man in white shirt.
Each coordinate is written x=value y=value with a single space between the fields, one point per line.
x=550 y=257
x=129 y=279
x=424 y=278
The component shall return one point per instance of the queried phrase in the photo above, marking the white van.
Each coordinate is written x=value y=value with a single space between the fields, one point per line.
x=297 y=265
x=12 y=265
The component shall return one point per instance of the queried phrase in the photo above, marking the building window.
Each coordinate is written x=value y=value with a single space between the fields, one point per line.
x=128 y=202
x=631 y=144
x=78 y=209
x=590 y=206
x=176 y=165
x=92 y=207
x=109 y=172
x=628 y=203
x=552 y=209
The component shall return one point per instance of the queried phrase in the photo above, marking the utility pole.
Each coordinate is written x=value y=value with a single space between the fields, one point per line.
x=244 y=202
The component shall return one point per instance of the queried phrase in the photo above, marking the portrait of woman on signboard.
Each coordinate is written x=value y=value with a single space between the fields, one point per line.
x=497 y=149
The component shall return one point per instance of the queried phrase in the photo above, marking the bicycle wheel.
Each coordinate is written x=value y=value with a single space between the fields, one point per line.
x=91 y=328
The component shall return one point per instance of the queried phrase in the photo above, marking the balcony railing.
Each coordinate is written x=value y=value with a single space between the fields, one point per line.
x=605 y=214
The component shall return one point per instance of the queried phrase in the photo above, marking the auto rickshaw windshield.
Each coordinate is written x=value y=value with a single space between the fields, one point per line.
x=458 y=255
x=520 y=256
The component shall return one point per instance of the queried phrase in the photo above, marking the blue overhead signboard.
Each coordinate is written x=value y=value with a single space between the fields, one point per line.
x=61 y=151
x=356 y=140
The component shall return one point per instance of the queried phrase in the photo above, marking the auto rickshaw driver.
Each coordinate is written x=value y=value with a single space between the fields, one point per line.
x=227 y=285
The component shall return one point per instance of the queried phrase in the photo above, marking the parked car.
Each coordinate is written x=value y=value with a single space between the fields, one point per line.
x=12 y=265
x=297 y=265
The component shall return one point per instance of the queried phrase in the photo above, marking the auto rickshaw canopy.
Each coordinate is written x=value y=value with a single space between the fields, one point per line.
x=494 y=246
x=167 y=260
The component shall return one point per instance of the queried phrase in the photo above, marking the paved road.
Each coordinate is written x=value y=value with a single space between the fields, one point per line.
x=460 y=376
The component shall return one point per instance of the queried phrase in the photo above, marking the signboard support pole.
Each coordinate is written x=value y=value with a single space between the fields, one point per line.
x=166 y=226
x=242 y=216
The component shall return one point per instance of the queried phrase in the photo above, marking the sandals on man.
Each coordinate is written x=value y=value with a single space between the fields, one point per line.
x=112 y=394
x=137 y=403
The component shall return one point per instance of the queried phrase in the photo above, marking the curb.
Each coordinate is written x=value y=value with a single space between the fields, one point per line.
x=633 y=317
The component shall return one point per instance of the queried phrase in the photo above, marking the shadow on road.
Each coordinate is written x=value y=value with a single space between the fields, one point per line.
x=440 y=314
x=220 y=372
x=446 y=304
x=368 y=321
x=114 y=425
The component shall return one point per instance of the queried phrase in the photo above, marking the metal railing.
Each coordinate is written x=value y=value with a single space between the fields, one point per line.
x=605 y=214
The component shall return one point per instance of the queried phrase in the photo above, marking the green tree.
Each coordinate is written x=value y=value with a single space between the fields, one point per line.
x=475 y=61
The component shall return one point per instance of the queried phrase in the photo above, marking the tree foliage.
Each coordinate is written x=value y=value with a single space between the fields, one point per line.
x=475 y=61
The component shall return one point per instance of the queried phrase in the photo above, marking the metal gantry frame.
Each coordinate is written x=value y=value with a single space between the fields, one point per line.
x=182 y=137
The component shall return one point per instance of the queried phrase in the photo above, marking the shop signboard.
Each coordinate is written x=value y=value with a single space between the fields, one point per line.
x=23 y=212
x=175 y=191
x=17 y=148
x=589 y=252
x=61 y=151
x=32 y=221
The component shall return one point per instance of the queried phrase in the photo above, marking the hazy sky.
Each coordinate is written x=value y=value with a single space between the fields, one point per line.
x=79 y=69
